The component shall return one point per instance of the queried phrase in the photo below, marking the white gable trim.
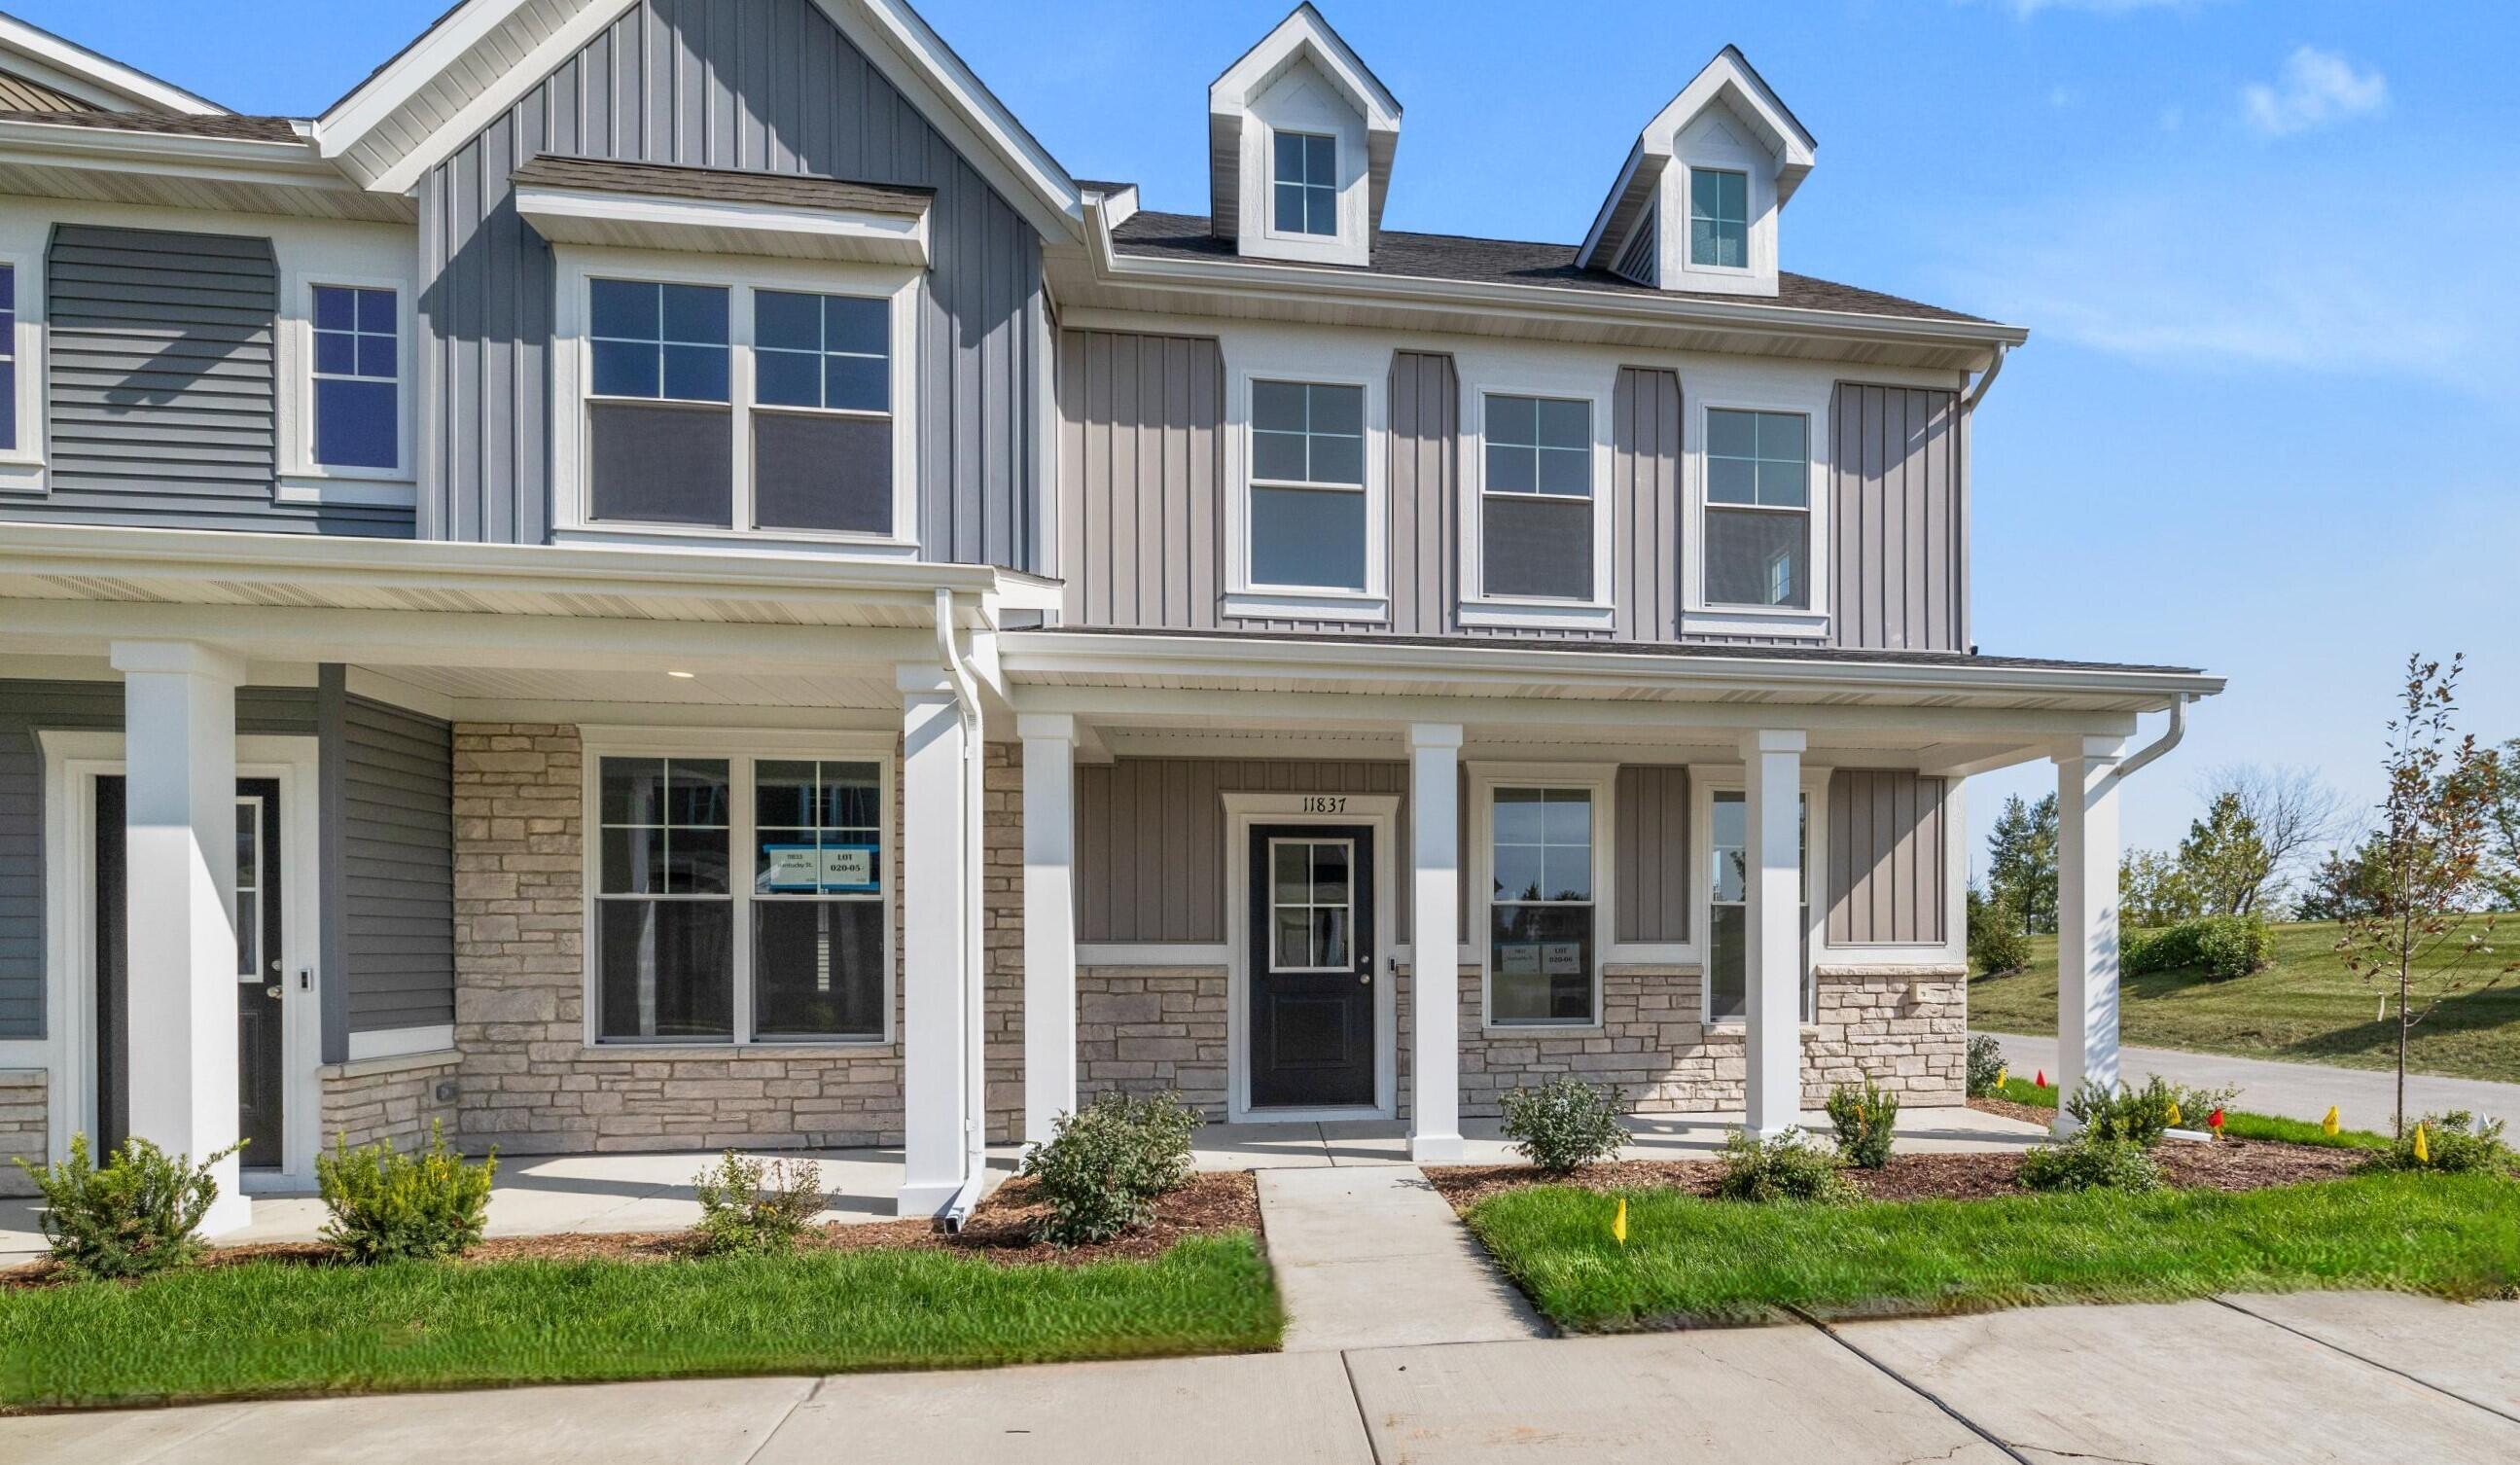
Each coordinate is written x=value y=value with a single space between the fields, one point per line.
x=73 y=70
x=1728 y=80
x=1303 y=36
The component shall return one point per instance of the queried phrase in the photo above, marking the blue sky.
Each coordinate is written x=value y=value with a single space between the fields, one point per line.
x=2266 y=250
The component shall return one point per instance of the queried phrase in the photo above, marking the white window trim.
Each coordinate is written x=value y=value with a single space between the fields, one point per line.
x=572 y=376
x=1689 y=216
x=304 y=479
x=743 y=749
x=1700 y=617
x=1306 y=97
x=1479 y=609
x=1247 y=599
x=1705 y=782
x=1599 y=780
x=23 y=467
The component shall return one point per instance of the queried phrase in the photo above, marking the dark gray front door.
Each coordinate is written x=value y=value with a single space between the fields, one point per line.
x=1312 y=967
x=259 y=1048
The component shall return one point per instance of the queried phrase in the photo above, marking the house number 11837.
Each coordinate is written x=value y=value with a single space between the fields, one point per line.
x=1326 y=804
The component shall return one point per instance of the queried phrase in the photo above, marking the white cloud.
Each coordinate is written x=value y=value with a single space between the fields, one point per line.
x=2316 y=88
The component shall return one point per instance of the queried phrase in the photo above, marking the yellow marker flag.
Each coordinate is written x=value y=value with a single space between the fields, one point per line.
x=2174 y=1114
x=2000 y=1074
x=2423 y=1151
x=2329 y=1126
x=1619 y=1223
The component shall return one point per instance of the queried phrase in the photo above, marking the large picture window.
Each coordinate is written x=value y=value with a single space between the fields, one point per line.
x=1307 y=489
x=741 y=899
x=1541 y=907
x=1758 y=509
x=1535 y=500
x=1728 y=959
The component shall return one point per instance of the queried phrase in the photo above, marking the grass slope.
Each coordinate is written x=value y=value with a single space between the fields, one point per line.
x=1687 y=1258
x=262 y=1328
x=2304 y=1008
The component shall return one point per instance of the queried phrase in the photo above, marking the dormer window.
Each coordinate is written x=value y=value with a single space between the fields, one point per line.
x=1307 y=184
x=1719 y=218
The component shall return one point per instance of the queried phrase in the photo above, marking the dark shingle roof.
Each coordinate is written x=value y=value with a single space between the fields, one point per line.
x=723 y=185
x=1146 y=234
x=216 y=124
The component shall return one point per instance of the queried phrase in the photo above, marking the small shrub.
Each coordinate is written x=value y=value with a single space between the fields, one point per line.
x=387 y=1206
x=2090 y=1163
x=2220 y=946
x=1998 y=947
x=1864 y=1119
x=1985 y=1065
x=753 y=1208
x=1787 y=1167
x=135 y=1215
x=1564 y=1123
x=2457 y=1143
x=1104 y=1165
x=2135 y=1114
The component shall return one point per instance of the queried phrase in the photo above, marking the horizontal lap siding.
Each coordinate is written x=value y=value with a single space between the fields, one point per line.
x=1897 y=575
x=1141 y=453
x=27 y=708
x=1650 y=815
x=767 y=86
x=398 y=843
x=1888 y=875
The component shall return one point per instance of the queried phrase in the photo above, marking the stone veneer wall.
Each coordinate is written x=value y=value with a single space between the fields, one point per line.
x=1152 y=1031
x=529 y=1081
x=25 y=1120
x=393 y=1099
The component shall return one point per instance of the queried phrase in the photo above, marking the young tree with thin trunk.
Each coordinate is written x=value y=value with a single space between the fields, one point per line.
x=2424 y=938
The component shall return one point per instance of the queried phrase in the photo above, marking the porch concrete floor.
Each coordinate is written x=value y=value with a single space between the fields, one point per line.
x=550 y=1194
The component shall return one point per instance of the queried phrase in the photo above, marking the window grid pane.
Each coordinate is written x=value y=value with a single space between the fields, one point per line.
x=1312 y=904
x=659 y=342
x=357 y=345
x=1539 y=445
x=1541 y=936
x=831 y=352
x=1305 y=183
x=1719 y=218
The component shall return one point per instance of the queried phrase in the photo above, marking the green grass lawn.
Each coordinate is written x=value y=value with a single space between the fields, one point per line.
x=1714 y=1260
x=266 y=1328
x=2237 y=1123
x=2305 y=1008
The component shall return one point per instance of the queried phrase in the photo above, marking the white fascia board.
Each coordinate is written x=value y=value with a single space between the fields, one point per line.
x=572 y=215
x=1306 y=34
x=1730 y=75
x=347 y=123
x=1247 y=280
x=1639 y=172
x=1195 y=656
x=69 y=67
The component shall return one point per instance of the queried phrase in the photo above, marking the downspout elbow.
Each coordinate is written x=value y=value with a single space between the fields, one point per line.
x=1985 y=380
x=2168 y=740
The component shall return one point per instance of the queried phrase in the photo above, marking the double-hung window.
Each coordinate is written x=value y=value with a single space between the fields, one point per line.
x=741 y=899
x=1758 y=509
x=1536 y=499
x=8 y=358
x=660 y=424
x=1306 y=183
x=1539 y=907
x=1306 y=511
x=357 y=370
x=822 y=425
x=1719 y=218
x=1728 y=958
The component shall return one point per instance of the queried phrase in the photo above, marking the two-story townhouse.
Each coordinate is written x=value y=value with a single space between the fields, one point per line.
x=661 y=576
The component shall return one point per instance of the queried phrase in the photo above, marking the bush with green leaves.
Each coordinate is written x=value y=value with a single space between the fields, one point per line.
x=2220 y=946
x=136 y=1213
x=1998 y=946
x=2087 y=1161
x=1787 y=1167
x=1103 y=1165
x=1865 y=1117
x=754 y=1208
x=2135 y=1114
x=2457 y=1143
x=388 y=1206
x=1564 y=1125
x=1986 y=1065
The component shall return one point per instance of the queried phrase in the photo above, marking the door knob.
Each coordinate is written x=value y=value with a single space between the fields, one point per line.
x=273 y=992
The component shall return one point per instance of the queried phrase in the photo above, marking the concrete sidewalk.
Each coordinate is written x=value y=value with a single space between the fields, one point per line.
x=1371 y=1257
x=2320 y=1377
x=2367 y=1097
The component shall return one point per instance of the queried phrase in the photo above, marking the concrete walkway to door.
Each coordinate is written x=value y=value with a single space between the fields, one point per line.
x=1371 y=1257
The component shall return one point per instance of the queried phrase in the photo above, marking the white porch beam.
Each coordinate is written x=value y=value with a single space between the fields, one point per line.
x=179 y=772
x=2086 y=917
x=935 y=1088
x=1049 y=746
x=1773 y=785
x=1434 y=970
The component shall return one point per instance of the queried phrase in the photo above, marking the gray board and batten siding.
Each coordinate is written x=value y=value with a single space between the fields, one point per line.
x=763 y=86
x=1142 y=533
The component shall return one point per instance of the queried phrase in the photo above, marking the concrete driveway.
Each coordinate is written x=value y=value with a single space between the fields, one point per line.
x=2317 y=1377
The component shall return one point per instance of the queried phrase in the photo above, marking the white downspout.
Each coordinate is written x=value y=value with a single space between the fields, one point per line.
x=2169 y=739
x=975 y=1134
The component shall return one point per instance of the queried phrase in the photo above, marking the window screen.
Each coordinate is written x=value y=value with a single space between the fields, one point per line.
x=1536 y=529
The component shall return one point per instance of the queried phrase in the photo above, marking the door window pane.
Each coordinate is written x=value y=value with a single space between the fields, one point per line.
x=1540 y=908
x=1312 y=904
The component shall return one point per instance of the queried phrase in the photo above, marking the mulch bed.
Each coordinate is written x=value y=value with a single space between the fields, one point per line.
x=2226 y=1164
x=999 y=1230
x=2028 y=1114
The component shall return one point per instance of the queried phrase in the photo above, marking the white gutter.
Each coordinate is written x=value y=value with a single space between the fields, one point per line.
x=975 y=1136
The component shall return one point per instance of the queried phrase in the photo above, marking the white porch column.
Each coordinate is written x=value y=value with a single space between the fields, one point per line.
x=1050 y=920
x=2086 y=917
x=935 y=1084
x=1434 y=943
x=180 y=770
x=1772 y=803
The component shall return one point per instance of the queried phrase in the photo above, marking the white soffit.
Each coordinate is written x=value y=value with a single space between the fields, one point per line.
x=103 y=82
x=1729 y=82
x=648 y=221
x=1302 y=36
